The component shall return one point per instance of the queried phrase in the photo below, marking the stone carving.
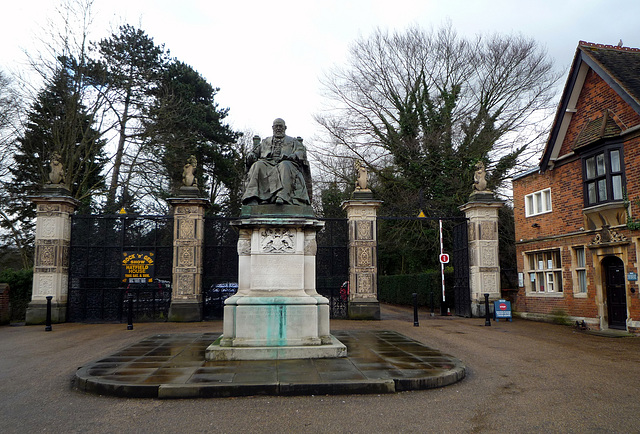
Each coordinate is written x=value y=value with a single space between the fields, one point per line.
x=56 y=176
x=47 y=207
x=364 y=284
x=187 y=210
x=489 y=282
x=361 y=176
x=363 y=231
x=185 y=284
x=277 y=240
x=46 y=256
x=361 y=212
x=45 y=285
x=364 y=257
x=607 y=235
x=488 y=256
x=187 y=228
x=186 y=257
x=479 y=178
x=189 y=172
x=278 y=170
x=487 y=230
x=47 y=226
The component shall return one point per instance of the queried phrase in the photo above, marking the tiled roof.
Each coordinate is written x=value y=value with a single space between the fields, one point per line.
x=621 y=63
x=603 y=127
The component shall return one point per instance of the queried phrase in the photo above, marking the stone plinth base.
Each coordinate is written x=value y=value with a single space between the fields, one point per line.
x=277 y=312
x=37 y=312
x=185 y=311
x=364 y=310
x=335 y=348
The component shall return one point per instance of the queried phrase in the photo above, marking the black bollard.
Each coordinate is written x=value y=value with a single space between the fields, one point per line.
x=130 y=313
x=47 y=324
x=433 y=307
x=415 y=310
x=487 y=317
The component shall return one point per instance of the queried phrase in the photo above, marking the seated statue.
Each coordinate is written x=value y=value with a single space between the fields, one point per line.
x=278 y=170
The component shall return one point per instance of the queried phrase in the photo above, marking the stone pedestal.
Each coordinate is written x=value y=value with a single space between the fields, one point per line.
x=188 y=236
x=277 y=312
x=51 y=257
x=363 y=268
x=484 y=266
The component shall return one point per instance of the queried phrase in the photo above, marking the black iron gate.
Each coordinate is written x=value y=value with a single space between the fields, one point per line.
x=460 y=259
x=408 y=253
x=97 y=287
x=220 y=279
x=332 y=265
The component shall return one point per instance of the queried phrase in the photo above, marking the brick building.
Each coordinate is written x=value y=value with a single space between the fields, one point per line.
x=577 y=214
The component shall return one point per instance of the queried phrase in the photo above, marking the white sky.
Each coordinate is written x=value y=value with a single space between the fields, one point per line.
x=267 y=56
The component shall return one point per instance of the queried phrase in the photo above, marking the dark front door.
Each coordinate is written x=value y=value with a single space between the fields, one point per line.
x=616 y=299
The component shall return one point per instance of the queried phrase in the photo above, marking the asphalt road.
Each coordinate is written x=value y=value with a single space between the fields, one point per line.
x=522 y=376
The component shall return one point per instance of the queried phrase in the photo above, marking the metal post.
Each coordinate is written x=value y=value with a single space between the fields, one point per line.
x=433 y=307
x=47 y=324
x=415 y=310
x=487 y=318
x=130 y=313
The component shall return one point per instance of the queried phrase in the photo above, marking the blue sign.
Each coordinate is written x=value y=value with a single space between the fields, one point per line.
x=632 y=277
x=502 y=309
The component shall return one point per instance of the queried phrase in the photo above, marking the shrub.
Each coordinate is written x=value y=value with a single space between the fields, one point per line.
x=399 y=289
x=20 y=284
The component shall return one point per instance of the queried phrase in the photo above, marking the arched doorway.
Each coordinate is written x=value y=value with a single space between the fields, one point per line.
x=613 y=270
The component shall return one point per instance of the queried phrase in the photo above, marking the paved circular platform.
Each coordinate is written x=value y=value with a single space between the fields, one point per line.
x=173 y=366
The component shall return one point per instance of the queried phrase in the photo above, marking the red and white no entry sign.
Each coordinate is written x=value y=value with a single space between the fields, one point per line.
x=444 y=258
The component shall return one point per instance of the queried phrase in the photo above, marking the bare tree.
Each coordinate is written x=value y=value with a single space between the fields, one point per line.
x=421 y=107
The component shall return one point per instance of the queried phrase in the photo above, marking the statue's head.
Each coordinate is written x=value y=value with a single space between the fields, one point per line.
x=279 y=128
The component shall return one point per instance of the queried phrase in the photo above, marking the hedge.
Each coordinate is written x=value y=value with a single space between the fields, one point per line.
x=20 y=284
x=399 y=289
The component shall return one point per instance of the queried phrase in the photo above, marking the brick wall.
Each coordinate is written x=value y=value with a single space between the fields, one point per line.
x=596 y=97
x=563 y=227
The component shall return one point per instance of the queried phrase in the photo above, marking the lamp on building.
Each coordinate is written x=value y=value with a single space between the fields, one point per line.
x=535 y=225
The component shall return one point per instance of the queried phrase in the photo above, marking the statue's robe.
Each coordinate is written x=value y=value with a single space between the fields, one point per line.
x=271 y=177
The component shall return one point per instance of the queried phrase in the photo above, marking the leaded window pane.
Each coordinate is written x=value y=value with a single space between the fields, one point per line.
x=601 y=170
x=591 y=167
x=615 y=161
x=582 y=281
x=580 y=257
x=602 y=189
x=591 y=192
x=616 y=182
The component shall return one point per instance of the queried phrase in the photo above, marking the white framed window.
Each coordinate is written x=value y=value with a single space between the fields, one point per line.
x=538 y=202
x=544 y=271
x=580 y=286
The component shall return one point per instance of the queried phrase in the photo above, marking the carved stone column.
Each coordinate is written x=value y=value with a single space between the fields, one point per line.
x=484 y=266
x=363 y=267
x=188 y=237
x=51 y=257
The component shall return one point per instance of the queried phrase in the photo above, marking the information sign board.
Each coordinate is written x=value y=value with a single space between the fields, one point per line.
x=137 y=267
x=502 y=309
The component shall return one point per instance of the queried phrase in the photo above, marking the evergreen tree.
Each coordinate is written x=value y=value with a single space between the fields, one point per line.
x=132 y=66
x=185 y=120
x=57 y=122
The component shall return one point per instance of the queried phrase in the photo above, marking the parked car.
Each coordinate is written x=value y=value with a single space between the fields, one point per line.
x=219 y=292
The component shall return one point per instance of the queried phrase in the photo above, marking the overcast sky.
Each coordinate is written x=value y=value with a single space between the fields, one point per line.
x=267 y=56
